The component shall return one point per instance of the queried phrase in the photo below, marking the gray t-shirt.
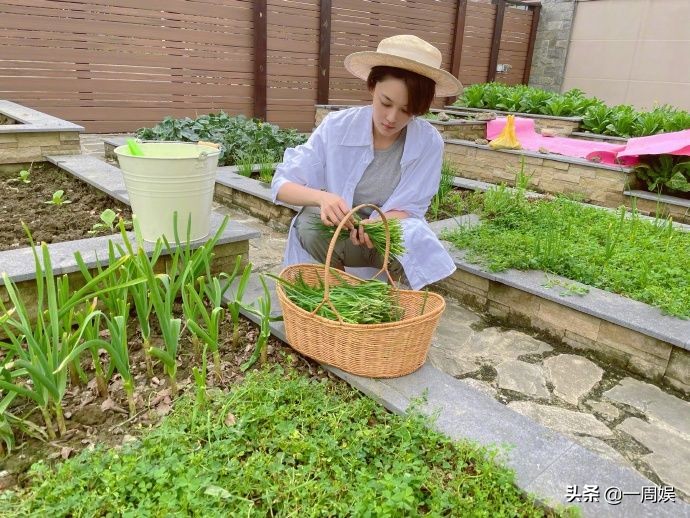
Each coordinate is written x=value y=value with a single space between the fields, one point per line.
x=381 y=177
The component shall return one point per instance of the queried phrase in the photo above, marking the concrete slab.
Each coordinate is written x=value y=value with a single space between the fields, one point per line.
x=665 y=409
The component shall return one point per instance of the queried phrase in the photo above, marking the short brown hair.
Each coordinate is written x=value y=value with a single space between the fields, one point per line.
x=420 y=89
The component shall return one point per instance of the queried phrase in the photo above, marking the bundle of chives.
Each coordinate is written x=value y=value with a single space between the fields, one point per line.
x=376 y=231
x=371 y=302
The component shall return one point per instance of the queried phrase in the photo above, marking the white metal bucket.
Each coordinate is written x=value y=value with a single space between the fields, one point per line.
x=169 y=177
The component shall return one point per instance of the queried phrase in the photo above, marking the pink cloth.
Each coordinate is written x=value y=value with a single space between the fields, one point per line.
x=532 y=141
x=676 y=143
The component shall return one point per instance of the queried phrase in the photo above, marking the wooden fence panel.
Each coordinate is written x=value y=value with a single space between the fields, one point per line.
x=514 y=44
x=360 y=24
x=120 y=67
x=476 y=43
x=293 y=52
x=117 y=65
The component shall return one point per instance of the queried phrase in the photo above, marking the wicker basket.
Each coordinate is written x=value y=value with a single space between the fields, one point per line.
x=374 y=350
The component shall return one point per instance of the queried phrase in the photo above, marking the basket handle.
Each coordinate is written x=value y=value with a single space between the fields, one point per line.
x=331 y=247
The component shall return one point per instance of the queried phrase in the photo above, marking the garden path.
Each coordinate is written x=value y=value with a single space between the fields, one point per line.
x=609 y=411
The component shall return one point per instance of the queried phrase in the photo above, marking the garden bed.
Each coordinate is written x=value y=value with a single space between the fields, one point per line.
x=95 y=419
x=563 y=126
x=28 y=135
x=27 y=203
x=630 y=333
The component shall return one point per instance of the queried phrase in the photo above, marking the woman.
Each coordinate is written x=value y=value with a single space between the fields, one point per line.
x=380 y=154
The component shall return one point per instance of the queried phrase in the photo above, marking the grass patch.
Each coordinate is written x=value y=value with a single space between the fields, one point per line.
x=645 y=260
x=279 y=444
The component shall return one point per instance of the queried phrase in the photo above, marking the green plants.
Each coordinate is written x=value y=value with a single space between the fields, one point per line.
x=41 y=352
x=266 y=167
x=376 y=230
x=236 y=135
x=24 y=176
x=235 y=302
x=597 y=117
x=108 y=222
x=665 y=172
x=280 y=443
x=618 y=252
x=371 y=302
x=263 y=311
x=58 y=198
x=444 y=187
x=623 y=121
x=245 y=163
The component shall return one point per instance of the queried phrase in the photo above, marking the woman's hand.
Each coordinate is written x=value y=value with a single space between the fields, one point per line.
x=334 y=209
x=359 y=237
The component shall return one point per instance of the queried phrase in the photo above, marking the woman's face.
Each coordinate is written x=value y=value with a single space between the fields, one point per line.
x=390 y=107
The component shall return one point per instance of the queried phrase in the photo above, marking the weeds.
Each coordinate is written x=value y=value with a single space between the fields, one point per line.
x=619 y=252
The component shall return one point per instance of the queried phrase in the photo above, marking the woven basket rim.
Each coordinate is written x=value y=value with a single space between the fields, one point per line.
x=337 y=323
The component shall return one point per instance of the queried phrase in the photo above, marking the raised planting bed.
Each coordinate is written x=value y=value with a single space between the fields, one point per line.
x=563 y=126
x=28 y=135
x=466 y=126
x=252 y=195
x=632 y=334
x=19 y=263
x=74 y=215
x=550 y=173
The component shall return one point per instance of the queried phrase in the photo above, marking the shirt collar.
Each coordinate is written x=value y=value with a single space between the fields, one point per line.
x=358 y=133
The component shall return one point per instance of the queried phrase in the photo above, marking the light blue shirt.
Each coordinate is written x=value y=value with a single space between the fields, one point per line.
x=335 y=158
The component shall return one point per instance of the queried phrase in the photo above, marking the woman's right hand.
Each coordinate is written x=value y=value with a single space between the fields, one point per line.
x=334 y=209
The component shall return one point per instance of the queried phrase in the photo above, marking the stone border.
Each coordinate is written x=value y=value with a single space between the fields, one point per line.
x=29 y=120
x=253 y=196
x=545 y=462
x=33 y=136
x=586 y=135
x=519 y=114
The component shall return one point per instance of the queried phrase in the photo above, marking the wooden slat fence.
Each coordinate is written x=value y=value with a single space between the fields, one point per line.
x=117 y=65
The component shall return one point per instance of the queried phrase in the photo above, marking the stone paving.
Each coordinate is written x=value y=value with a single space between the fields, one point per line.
x=602 y=408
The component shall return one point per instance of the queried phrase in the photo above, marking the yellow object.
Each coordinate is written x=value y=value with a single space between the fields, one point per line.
x=507 y=138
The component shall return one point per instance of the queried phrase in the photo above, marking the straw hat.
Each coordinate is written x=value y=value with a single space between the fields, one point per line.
x=408 y=52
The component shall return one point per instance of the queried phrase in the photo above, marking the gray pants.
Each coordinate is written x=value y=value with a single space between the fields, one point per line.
x=345 y=253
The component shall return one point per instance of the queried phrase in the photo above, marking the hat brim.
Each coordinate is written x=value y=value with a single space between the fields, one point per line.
x=360 y=64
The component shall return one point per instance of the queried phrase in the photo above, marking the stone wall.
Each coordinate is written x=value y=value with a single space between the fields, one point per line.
x=597 y=184
x=551 y=45
x=629 y=349
x=460 y=130
x=18 y=149
x=277 y=216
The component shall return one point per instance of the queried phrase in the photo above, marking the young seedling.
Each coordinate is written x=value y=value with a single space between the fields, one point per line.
x=245 y=163
x=58 y=198
x=266 y=168
x=108 y=218
x=264 y=313
x=24 y=176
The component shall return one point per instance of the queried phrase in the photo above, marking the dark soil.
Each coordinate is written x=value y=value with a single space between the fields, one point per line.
x=94 y=420
x=25 y=202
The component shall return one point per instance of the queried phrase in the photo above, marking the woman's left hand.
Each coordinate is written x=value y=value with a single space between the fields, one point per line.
x=359 y=237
